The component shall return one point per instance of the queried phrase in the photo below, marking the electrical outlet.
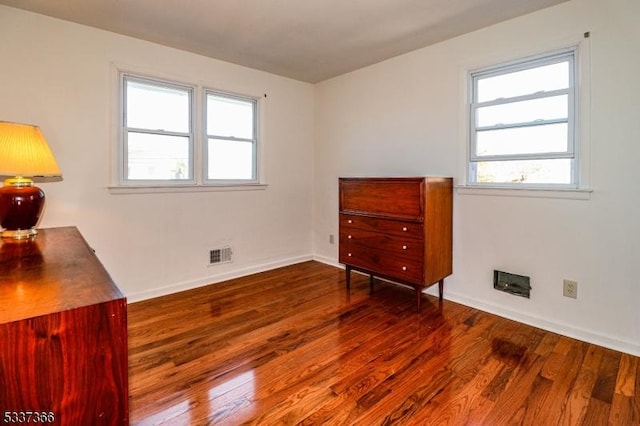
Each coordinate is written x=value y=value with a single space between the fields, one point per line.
x=570 y=289
x=332 y=239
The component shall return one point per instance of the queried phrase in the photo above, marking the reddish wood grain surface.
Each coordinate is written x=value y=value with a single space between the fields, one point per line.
x=55 y=272
x=398 y=228
x=63 y=332
x=293 y=346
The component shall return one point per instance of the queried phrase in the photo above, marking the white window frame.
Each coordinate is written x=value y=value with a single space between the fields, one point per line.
x=253 y=140
x=198 y=181
x=567 y=54
x=125 y=129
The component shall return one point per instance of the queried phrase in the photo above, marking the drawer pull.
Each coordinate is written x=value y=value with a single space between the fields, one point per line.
x=404 y=268
x=349 y=254
x=349 y=221
x=349 y=236
x=404 y=247
x=404 y=229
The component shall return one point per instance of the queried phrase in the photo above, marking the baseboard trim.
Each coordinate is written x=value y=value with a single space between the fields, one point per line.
x=554 y=327
x=328 y=261
x=214 y=279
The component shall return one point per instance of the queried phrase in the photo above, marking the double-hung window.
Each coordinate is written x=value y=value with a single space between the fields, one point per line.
x=523 y=123
x=158 y=140
x=165 y=143
x=231 y=145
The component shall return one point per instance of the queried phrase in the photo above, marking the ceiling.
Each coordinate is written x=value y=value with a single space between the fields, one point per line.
x=307 y=40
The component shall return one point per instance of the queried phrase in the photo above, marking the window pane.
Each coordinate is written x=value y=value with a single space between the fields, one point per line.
x=157 y=157
x=229 y=117
x=556 y=171
x=544 y=78
x=155 y=107
x=230 y=160
x=556 y=107
x=523 y=140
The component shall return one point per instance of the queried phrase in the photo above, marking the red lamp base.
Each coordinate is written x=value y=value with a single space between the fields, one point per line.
x=21 y=204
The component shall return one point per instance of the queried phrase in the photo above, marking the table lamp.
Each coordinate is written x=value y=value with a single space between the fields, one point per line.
x=24 y=154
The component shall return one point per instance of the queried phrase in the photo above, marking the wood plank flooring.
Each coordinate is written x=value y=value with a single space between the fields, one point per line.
x=291 y=346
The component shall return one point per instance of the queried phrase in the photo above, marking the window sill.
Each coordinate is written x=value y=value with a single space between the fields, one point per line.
x=561 y=193
x=117 y=190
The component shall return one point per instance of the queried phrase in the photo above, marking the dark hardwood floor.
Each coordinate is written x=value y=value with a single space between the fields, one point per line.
x=291 y=346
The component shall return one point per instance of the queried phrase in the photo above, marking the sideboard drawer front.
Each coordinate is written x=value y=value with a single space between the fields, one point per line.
x=400 y=198
x=385 y=264
x=408 y=248
x=404 y=229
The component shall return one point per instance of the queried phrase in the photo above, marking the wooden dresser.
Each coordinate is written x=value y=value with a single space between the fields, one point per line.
x=63 y=334
x=399 y=229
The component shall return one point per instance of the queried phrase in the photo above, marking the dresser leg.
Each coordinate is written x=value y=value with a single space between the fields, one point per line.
x=419 y=298
x=348 y=274
x=370 y=284
x=441 y=288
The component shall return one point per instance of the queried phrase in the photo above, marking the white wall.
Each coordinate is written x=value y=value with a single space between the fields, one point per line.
x=399 y=117
x=405 y=117
x=58 y=75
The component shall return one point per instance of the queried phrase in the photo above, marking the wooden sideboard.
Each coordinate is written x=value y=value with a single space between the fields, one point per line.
x=63 y=334
x=399 y=229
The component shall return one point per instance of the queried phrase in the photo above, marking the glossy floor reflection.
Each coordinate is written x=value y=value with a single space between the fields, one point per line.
x=290 y=346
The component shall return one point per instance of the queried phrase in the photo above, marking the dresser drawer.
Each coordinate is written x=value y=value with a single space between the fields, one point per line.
x=383 y=263
x=406 y=229
x=395 y=245
x=401 y=198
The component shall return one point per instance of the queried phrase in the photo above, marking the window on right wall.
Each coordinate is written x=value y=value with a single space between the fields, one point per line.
x=523 y=123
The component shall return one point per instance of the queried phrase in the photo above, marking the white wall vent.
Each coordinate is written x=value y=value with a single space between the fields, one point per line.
x=220 y=255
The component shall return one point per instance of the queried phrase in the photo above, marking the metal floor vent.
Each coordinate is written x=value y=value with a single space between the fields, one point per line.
x=220 y=255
